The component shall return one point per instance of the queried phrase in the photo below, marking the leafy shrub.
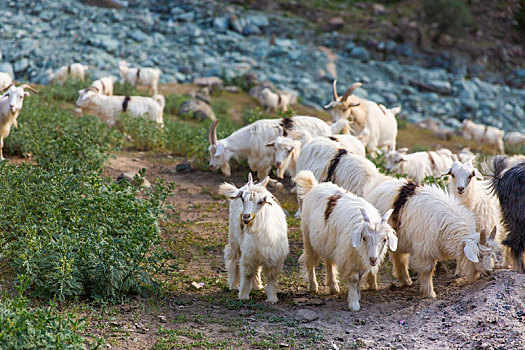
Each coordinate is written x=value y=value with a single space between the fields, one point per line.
x=65 y=93
x=145 y=134
x=452 y=16
x=23 y=327
x=173 y=103
x=126 y=89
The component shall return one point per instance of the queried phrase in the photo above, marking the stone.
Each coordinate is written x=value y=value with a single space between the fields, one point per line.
x=183 y=168
x=210 y=82
x=437 y=86
x=334 y=23
x=138 y=35
x=251 y=30
x=197 y=109
x=7 y=68
x=21 y=65
x=305 y=315
x=258 y=20
x=130 y=177
x=378 y=9
x=236 y=24
x=220 y=24
x=360 y=53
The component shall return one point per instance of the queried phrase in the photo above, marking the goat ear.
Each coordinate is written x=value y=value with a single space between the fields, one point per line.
x=453 y=157
x=392 y=241
x=493 y=233
x=237 y=194
x=219 y=150
x=365 y=215
x=331 y=105
x=471 y=250
x=447 y=172
x=26 y=94
x=265 y=181
x=356 y=237
x=266 y=201
x=271 y=144
x=477 y=174
x=386 y=216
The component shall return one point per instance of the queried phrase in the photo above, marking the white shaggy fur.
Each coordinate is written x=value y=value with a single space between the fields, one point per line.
x=346 y=231
x=272 y=101
x=5 y=80
x=257 y=238
x=73 y=71
x=10 y=105
x=104 y=85
x=251 y=141
x=418 y=165
x=108 y=108
x=483 y=134
x=147 y=76
x=512 y=138
x=433 y=226
x=374 y=123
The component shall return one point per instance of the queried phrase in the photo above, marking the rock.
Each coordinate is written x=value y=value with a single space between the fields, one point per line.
x=437 y=86
x=183 y=168
x=446 y=40
x=7 y=68
x=106 y=42
x=334 y=23
x=163 y=319
x=360 y=53
x=305 y=316
x=130 y=177
x=260 y=21
x=220 y=24
x=21 y=65
x=378 y=9
x=46 y=15
x=138 y=35
x=196 y=109
x=235 y=24
x=251 y=30
x=210 y=82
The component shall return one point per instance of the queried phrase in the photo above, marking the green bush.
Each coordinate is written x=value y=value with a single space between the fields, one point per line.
x=452 y=16
x=126 y=89
x=173 y=103
x=145 y=134
x=65 y=93
x=23 y=327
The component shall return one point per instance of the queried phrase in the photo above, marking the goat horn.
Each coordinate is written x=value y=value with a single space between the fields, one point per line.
x=483 y=237
x=281 y=131
x=212 y=135
x=250 y=179
x=7 y=88
x=25 y=86
x=350 y=90
x=493 y=233
x=334 y=90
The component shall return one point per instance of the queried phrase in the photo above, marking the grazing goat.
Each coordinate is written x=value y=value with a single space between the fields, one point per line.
x=140 y=76
x=104 y=85
x=376 y=124
x=272 y=101
x=508 y=181
x=514 y=139
x=483 y=134
x=418 y=165
x=346 y=231
x=432 y=226
x=108 y=108
x=5 y=80
x=257 y=238
x=10 y=105
x=287 y=149
x=251 y=141
x=73 y=71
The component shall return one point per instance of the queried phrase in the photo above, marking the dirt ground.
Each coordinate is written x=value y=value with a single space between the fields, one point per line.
x=198 y=310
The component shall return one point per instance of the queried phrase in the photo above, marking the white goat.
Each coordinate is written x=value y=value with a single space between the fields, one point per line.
x=73 y=71
x=467 y=185
x=10 y=105
x=483 y=134
x=346 y=231
x=5 y=80
x=431 y=226
x=257 y=238
x=272 y=101
x=140 y=76
x=287 y=149
x=418 y=165
x=108 y=108
x=512 y=138
x=250 y=141
x=376 y=124
x=104 y=85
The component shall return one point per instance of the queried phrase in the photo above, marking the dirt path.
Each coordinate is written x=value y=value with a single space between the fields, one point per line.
x=488 y=314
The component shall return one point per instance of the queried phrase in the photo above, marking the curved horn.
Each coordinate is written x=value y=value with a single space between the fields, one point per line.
x=25 y=86
x=7 y=88
x=350 y=90
x=483 y=237
x=281 y=131
x=334 y=90
x=250 y=179
x=493 y=233
x=212 y=135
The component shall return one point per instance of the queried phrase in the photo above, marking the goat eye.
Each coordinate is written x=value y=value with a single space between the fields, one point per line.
x=364 y=238
x=261 y=202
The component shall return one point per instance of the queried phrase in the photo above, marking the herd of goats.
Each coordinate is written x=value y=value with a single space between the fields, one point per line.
x=351 y=214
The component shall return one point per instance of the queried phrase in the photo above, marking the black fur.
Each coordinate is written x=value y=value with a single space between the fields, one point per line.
x=287 y=125
x=125 y=103
x=138 y=76
x=69 y=69
x=509 y=186
x=333 y=164
x=332 y=138
x=407 y=191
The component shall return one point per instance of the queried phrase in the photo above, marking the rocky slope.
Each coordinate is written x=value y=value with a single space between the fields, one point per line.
x=188 y=40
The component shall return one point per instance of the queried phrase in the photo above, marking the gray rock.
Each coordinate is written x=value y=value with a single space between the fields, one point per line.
x=196 y=109
x=305 y=315
x=106 y=42
x=7 y=68
x=251 y=30
x=46 y=15
x=360 y=53
x=21 y=65
x=183 y=168
x=260 y=21
x=520 y=73
x=236 y=24
x=138 y=35
x=220 y=24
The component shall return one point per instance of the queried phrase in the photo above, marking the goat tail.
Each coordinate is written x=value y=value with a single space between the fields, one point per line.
x=305 y=181
x=495 y=170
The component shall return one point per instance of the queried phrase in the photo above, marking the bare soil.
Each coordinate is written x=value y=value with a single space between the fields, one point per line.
x=487 y=314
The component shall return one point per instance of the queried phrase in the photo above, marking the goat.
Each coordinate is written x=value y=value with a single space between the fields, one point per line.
x=507 y=182
x=104 y=85
x=272 y=101
x=431 y=226
x=375 y=123
x=10 y=105
x=140 y=76
x=250 y=141
x=514 y=139
x=73 y=71
x=418 y=165
x=257 y=238
x=346 y=231
x=5 y=80
x=108 y=108
x=483 y=134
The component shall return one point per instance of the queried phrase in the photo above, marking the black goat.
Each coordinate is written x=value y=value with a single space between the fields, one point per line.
x=509 y=184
